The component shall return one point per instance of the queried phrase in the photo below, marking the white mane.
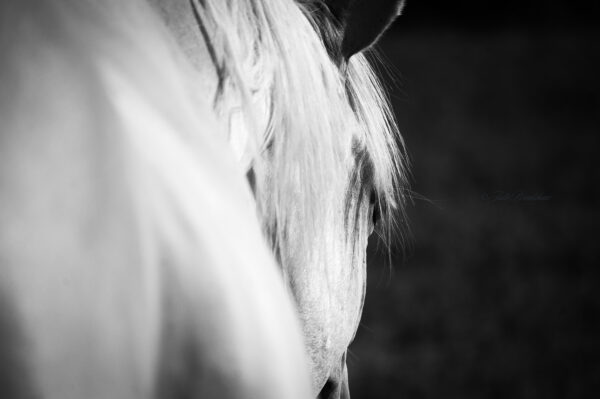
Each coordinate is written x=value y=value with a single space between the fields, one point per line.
x=316 y=114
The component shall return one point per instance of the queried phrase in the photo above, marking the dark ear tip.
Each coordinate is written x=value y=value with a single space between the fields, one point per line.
x=365 y=21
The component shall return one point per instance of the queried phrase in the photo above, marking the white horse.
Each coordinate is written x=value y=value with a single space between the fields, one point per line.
x=130 y=253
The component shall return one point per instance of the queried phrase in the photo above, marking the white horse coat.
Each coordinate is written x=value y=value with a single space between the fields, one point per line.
x=132 y=263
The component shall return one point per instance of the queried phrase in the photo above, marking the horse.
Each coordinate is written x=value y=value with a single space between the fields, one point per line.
x=172 y=173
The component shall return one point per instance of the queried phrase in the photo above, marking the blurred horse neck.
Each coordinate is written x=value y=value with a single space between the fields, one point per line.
x=131 y=253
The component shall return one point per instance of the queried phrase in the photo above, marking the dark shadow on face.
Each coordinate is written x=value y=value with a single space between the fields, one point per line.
x=336 y=386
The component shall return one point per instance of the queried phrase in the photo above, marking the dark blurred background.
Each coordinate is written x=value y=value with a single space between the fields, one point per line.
x=497 y=296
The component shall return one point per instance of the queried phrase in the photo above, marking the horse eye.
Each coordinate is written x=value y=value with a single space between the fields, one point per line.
x=374 y=202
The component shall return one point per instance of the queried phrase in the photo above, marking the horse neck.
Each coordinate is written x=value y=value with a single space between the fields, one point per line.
x=107 y=111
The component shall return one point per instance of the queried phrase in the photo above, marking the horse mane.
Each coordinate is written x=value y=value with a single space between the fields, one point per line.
x=317 y=111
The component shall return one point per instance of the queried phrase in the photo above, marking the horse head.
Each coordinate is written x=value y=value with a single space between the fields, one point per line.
x=312 y=129
x=324 y=261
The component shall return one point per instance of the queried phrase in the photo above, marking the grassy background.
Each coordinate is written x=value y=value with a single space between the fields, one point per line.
x=496 y=299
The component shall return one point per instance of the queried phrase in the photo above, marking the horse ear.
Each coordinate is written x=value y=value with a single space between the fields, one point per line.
x=363 y=21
